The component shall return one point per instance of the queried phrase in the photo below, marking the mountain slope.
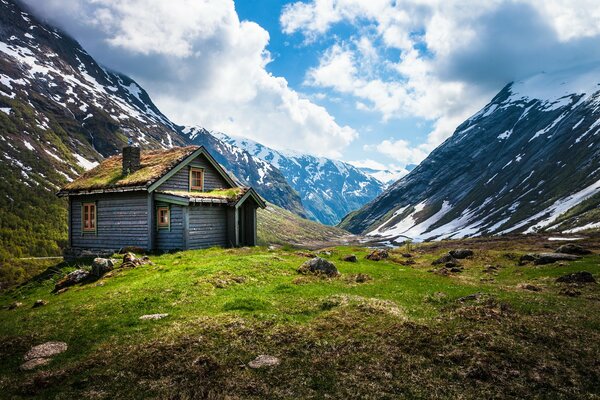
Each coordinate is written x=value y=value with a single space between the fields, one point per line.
x=528 y=160
x=249 y=169
x=329 y=189
x=60 y=113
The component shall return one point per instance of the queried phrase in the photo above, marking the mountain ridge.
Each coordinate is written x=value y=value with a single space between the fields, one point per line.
x=539 y=151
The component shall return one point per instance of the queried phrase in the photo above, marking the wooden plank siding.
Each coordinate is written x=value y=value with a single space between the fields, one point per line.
x=181 y=180
x=172 y=238
x=121 y=220
x=207 y=226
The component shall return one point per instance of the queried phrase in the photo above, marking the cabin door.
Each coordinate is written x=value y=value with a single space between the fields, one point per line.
x=242 y=228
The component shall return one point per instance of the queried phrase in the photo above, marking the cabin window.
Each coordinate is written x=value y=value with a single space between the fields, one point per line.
x=197 y=179
x=89 y=217
x=164 y=217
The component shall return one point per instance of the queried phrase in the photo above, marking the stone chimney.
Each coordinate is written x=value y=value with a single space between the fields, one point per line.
x=131 y=159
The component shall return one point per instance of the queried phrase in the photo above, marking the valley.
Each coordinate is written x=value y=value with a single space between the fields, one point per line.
x=494 y=329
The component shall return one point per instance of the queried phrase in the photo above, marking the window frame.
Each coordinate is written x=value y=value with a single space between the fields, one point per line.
x=163 y=225
x=94 y=228
x=191 y=183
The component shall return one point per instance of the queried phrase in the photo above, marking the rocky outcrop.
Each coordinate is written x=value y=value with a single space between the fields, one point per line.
x=319 y=266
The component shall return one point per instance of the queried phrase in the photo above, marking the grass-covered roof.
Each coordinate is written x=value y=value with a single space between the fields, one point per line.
x=109 y=174
x=231 y=195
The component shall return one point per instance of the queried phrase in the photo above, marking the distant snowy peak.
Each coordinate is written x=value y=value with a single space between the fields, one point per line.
x=329 y=189
x=385 y=176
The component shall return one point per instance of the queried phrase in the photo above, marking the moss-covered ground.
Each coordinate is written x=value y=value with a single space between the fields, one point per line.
x=403 y=332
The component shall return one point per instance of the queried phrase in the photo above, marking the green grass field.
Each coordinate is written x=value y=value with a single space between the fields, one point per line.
x=403 y=333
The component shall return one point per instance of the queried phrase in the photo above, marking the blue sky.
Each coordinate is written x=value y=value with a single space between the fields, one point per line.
x=375 y=82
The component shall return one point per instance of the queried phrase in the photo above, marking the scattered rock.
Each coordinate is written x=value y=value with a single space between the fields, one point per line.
x=570 y=292
x=264 y=361
x=490 y=269
x=45 y=350
x=530 y=287
x=350 y=258
x=407 y=255
x=306 y=254
x=474 y=296
x=101 y=266
x=131 y=261
x=72 y=278
x=577 y=277
x=325 y=253
x=36 y=362
x=546 y=258
x=319 y=266
x=574 y=249
x=15 y=304
x=132 y=249
x=461 y=253
x=378 y=255
x=39 y=303
x=446 y=258
x=153 y=316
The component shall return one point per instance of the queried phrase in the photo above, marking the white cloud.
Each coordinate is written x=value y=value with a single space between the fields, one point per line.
x=400 y=150
x=202 y=66
x=453 y=55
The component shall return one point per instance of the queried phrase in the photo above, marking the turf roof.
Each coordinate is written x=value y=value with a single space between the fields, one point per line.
x=109 y=175
x=232 y=195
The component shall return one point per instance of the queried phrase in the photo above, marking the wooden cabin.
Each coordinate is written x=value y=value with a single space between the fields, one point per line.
x=173 y=199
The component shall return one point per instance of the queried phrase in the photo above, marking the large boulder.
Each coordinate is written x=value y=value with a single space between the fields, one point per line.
x=571 y=248
x=577 y=277
x=445 y=259
x=378 y=255
x=319 y=266
x=101 y=266
x=350 y=258
x=546 y=258
x=461 y=253
x=72 y=278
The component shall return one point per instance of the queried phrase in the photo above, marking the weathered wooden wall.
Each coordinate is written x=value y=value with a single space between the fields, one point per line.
x=181 y=180
x=207 y=226
x=121 y=220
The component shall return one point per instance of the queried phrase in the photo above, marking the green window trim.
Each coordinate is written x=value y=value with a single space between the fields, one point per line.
x=85 y=231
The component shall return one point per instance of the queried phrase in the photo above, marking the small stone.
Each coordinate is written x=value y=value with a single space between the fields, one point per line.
x=15 y=304
x=33 y=364
x=378 y=255
x=39 y=303
x=470 y=297
x=570 y=292
x=577 y=277
x=264 y=361
x=350 y=258
x=362 y=278
x=153 y=316
x=407 y=255
x=325 y=253
x=547 y=258
x=45 y=350
x=530 y=287
x=461 y=253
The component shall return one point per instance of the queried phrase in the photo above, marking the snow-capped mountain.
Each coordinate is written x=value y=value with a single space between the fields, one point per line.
x=329 y=189
x=249 y=169
x=61 y=113
x=529 y=160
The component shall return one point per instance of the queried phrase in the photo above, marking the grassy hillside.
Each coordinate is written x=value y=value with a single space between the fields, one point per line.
x=396 y=331
x=279 y=226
